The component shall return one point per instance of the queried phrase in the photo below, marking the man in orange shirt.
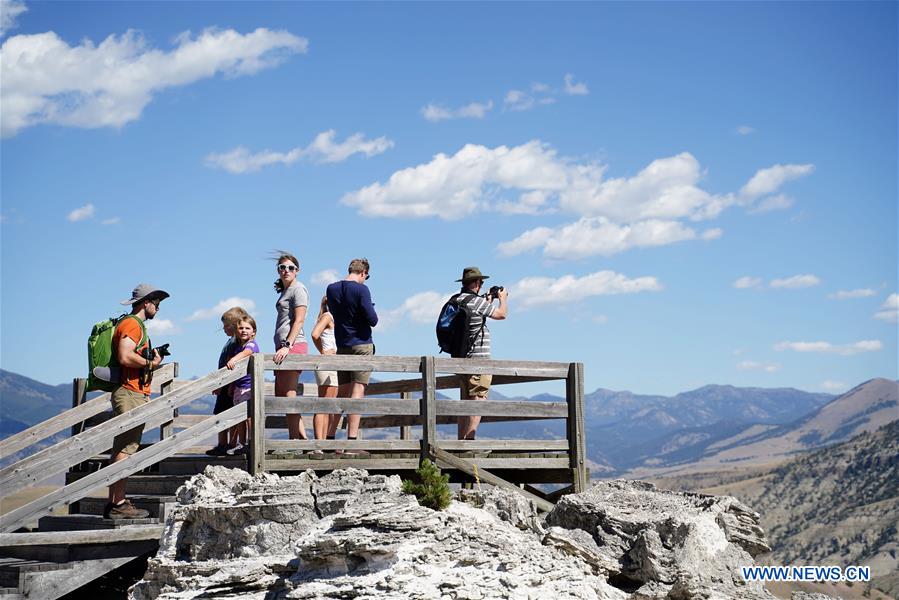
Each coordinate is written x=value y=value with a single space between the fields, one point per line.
x=129 y=342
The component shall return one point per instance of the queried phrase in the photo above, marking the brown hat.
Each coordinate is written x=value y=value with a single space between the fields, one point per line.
x=472 y=273
x=142 y=291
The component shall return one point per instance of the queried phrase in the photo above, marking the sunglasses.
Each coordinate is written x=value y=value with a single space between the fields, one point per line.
x=290 y=268
x=367 y=276
x=155 y=302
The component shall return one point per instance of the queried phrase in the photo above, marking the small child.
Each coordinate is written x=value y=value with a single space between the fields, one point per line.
x=242 y=388
x=223 y=399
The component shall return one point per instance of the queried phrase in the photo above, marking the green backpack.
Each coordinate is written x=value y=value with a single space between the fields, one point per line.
x=99 y=350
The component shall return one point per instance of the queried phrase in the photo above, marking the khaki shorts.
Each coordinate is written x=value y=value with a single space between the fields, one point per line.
x=326 y=378
x=356 y=376
x=124 y=400
x=474 y=386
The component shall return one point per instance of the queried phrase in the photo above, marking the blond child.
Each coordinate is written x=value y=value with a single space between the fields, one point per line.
x=223 y=398
x=242 y=388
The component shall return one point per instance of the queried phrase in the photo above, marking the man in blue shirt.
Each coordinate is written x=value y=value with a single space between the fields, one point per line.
x=349 y=302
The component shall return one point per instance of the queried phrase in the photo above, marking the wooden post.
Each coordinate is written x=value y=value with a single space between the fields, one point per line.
x=256 y=411
x=166 y=429
x=79 y=385
x=428 y=404
x=405 y=430
x=574 y=394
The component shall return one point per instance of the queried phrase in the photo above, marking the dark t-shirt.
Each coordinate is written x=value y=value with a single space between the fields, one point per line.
x=354 y=315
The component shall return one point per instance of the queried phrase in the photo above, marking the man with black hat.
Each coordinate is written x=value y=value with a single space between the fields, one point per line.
x=475 y=387
x=129 y=342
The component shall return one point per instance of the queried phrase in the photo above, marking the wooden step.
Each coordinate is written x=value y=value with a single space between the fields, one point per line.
x=14 y=570
x=157 y=505
x=9 y=592
x=191 y=464
x=144 y=484
x=84 y=522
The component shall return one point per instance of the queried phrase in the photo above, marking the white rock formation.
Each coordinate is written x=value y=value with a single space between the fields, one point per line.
x=354 y=535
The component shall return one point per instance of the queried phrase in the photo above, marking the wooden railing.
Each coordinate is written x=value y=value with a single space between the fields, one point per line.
x=426 y=412
x=564 y=459
x=60 y=457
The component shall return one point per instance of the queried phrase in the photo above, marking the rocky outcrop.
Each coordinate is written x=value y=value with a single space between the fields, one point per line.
x=350 y=534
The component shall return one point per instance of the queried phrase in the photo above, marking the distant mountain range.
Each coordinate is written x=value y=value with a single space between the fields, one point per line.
x=866 y=407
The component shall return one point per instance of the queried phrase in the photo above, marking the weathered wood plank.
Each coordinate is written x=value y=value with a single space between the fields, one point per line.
x=334 y=406
x=334 y=362
x=505 y=445
x=445 y=459
x=58 y=458
x=165 y=430
x=381 y=445
x=329 y=464
x=128 y=533
x=574 y=394
x=69 y=418
x=428 y=405
x=255 y=461
x=445 y=382
x=184 y=421
x=79 y=391
x=114 y=472
x=504 y=408
x=401 y=421
x=472 y=366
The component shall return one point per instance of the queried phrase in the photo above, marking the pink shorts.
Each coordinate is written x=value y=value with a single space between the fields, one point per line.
x=299 y=348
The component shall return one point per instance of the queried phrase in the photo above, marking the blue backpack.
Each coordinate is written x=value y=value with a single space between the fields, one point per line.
x=454 y=326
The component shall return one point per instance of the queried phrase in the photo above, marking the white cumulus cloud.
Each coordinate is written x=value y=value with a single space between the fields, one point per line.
x=203 y=314
x=161 y=326
x=111 y=221
x=745 y=130
x=46 y=80
x=751 y=365
x=532 y=292
x=769 y=180
x=575 y=89
x=849 y=294
x=889 y=310
x=598 y=236
x=747 y=282
x=81 y=213
x=474 y=110
x=828 y=348
x=771 y=203
x=421 y=308
x=795 y=282
x=653 y=207
x=322 y=149
x=326 y=277
x=10 y=10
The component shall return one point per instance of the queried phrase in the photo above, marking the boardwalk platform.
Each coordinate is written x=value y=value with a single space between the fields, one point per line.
x=46 y=556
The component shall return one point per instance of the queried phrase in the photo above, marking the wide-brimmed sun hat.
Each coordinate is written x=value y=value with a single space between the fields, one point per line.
x=143 y=290
x=470 y=274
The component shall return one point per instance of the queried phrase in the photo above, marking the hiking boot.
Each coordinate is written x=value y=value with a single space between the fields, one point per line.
x=236 y=450
x=125 y=510
x=217 y=451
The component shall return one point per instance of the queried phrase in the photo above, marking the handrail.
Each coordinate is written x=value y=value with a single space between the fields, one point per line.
x=77 y=449
x=94 y=406
x=116 y=471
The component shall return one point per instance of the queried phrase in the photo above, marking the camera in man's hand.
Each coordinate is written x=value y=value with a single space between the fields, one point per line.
x=494 y=291
x=163 y=351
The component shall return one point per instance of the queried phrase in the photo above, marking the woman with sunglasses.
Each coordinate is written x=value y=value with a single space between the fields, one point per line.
x=292 y=304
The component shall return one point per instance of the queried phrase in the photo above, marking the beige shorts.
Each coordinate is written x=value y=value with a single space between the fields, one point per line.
x=474 y=386
x=124 y=400
x=356 y=376
x=326 y=378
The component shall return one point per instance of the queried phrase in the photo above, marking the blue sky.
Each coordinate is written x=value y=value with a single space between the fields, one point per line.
x=675 y=194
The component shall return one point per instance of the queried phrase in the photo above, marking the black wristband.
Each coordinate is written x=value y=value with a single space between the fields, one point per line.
x=285 y=344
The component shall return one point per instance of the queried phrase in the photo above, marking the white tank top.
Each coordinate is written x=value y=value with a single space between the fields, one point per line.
x=328 y=341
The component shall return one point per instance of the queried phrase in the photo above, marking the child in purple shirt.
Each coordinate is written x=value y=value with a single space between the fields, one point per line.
x=242 y=388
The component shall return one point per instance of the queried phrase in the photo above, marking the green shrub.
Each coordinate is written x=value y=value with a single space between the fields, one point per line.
x=433 y=491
